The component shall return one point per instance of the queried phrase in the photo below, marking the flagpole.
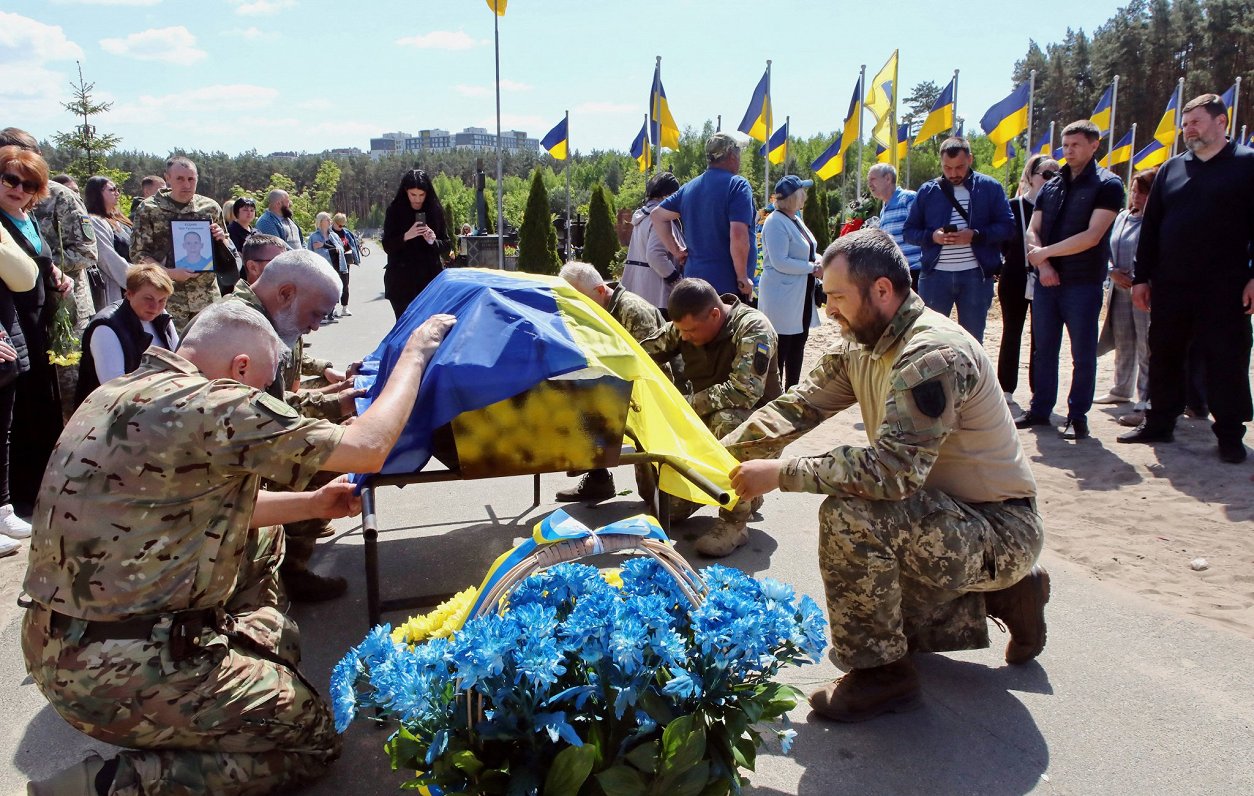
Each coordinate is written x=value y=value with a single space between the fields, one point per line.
x=857 y=171
x=770 y=127
x=1132 y=153
x=955 y=130
x=718 y=126
x=1175 y=134
x=500 y=187
x=567 y=170
x=894 y=159
x=1051 y=140
x=909 y=139
x=1232 y=112
x=787 y=148
x=654 y=109
x=1031 y=101
x=1244 y=127
x=1114 y=105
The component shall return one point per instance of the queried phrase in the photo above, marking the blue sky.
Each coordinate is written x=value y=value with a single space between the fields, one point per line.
x=309 y=75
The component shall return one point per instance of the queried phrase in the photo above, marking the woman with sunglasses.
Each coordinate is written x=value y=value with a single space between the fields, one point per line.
x=36 y=401
x=113 y=237
x=1012 y=285
x=415 y=239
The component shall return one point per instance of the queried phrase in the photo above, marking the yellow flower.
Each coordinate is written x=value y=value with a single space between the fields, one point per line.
x=65 y=360
x=443 y=622
x=614 y=577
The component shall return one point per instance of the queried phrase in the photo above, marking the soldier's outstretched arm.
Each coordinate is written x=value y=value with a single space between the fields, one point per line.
x=367 y=442
x=332 y=501
x=663 y=344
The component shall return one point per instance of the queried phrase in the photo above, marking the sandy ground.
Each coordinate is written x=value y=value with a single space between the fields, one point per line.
x=1135 y=515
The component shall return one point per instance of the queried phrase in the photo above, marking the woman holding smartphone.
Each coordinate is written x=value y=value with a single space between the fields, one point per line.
x=415 y=239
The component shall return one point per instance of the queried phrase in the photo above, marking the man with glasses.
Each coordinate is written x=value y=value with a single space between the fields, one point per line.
x=245 y=213
x=1069 y=244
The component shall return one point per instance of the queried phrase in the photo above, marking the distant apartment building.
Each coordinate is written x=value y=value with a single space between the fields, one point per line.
x=443 y=141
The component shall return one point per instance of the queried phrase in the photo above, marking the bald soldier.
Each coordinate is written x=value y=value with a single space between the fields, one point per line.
x=932 y=525
x=156 y=619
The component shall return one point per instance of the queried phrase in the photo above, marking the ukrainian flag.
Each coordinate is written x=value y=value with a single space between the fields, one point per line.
x=852 y=129
x=881 y=97
x=778 y=146
x=642 y=148
x=757 y=121
x=882 y=154
x=556 y=141
x=1166 y=130
x=1120 y=152
x=832 y=161
x=1229 y=99
x=940 y=119
x=498 y=6
x=1058 y=156
x=1002 y=153
x=1155 y=154
x=516 y=332
x=664 y=128
x=1101 y=114
x=1008 y=118
x=1042 y=145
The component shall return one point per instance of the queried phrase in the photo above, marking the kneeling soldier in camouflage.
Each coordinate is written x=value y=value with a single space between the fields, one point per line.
x=155 y=620
x=931 y=527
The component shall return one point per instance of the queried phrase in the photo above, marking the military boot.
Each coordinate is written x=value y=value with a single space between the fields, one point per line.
x=77 y=780
x=866 y=693
x=595 y=486
x=305 y=586
x=723 y=539
x=1022 y=608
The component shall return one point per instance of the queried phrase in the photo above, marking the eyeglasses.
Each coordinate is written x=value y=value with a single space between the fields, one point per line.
x=1049 y=174
x=14 y=181
x=113 y=189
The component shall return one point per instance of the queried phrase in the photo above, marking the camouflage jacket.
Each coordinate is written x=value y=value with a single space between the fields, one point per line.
x=931 y=406
x=151 y=489
x=150 y=240
x=66 y=226
x=640 y=318
x=738 y=369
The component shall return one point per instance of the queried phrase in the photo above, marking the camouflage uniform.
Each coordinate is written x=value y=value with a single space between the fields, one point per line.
x=729 y=377
x=67 y=228
x=150 y=240
x=156 y=624
x=935 y=511
x=640 y=318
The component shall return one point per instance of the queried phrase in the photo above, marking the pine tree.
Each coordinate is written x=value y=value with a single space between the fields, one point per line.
x=815 y=216
x=537 y=239
x=600 y=239
x=88 y=147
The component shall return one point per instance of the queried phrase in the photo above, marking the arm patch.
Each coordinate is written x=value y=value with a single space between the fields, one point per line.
x=762 y=359
x=929 y=397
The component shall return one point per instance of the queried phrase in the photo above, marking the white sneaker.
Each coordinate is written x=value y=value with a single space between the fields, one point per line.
x=12 y=525
x=345 y=312
x=8 y=546
x=1009 y=396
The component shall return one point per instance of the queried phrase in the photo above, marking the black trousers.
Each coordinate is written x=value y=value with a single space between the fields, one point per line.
x=1209 y=322
x=7 y=395
x=792 y=349
x=1014 y=314
x=344 y=292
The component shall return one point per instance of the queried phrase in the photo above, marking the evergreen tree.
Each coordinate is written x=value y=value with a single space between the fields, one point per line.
x=815 y=216
x=86 y=147
x=600 y=239
x=537 y=239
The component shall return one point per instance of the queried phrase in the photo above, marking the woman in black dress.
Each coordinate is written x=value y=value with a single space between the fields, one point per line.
x=415 y=239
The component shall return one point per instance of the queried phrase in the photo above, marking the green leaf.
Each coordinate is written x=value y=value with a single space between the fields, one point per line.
x=683 y=744
x=691 y=782
x=745 y=753
x=404 y=750
x=777 y=699
x=644 y=757
x=657 y=706
x=570 y=769
x=465 y=760
x=621 y=781
x=719 y=787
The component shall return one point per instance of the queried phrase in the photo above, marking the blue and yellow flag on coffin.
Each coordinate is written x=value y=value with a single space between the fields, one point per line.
x=831 y=162
x=757 y=121
x=556 y=141
x=1002 y=153
x=642 y=148
x=1101 y=114
x=778 y=146
x=1165 y=132
x=1154 y=154
x=498 y=6
x=881 y=98
x=940 y=119
x=1119 y=153
x=1042 y=145
x=1007 y=118
x=664 y=129
x=516 y=334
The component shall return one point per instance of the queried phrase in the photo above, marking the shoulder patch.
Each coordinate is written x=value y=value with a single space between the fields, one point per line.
x=277 y=409
x=762 y=358
x=926 y=367
x=929 y=397
x=89 y=232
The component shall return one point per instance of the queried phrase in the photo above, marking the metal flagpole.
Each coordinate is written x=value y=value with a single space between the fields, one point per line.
x=1232 y=112
x=770 y=128
x=787 y=148
x=1051 y=140
x=1244 y=127
x=909 y=139
x=655 y=108
x=1031 y=101
x=567 y=170
x=500 y=186
x=1175 y=134
x=1114 y=105
x=857 y=169
x=718 y=126
x=1132 y=153
x=893 y=158
x=955 y=130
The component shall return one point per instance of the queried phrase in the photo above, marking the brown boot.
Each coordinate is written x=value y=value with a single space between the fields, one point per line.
x=723 y=539
x=1022 y=608
x=866 y=693
x=304 y=586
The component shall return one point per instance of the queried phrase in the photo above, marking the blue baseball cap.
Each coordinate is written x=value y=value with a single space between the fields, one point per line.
x=790 y=185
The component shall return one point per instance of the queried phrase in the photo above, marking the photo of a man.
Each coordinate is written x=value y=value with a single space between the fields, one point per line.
x=193 y=256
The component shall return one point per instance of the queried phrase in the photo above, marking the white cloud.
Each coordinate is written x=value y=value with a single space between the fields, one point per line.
x=607 y=107
x=31 y=91
x=25 y=41
x=261 y=8
x=174 y=45
x=249 y=33
x=441 y=40
x=488 y=91
x=106 y=2
x=190 y=108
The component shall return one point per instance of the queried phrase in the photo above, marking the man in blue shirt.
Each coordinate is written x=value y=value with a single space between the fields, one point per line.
x=881 y=179
x=717 y=212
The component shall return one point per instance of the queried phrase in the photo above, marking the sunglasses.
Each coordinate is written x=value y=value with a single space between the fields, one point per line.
x=1048 y=174
x=14 y=181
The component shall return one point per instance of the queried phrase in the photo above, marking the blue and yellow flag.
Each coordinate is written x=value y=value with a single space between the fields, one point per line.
x=778 y=145
x=664 y=128
x=642 y=148
x=517 y=333
x=832 y=161
x=1229 y=99
x=940 y=119
x=1120 y=152
x=1166 y=130
x=757 y=121
x=961 y=132
x=1058 y=156
x=1002 y=153
x=1101 y=114
x=851 y=131
x=881 y=99
x=556 y=141
x=1008 y=118
x=498 y=6
x=1042 y=145
x=1154 y=154
x=883 y=155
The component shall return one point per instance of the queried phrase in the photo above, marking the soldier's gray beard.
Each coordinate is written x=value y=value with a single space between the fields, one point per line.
x=286 y=328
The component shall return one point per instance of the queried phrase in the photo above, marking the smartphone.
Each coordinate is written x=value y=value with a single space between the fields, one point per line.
x=420 y=217
x=949 y=228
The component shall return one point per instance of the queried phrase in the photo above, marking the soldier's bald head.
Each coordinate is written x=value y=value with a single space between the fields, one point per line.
x=231 y=340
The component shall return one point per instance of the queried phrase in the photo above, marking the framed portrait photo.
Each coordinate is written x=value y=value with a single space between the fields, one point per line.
x=192 y=244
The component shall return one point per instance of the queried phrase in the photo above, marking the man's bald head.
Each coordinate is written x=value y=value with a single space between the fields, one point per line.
x=231 y=340
x=298 y=289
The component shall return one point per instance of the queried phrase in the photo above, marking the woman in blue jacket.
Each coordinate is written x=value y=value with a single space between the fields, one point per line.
x=789 y=273
x=325 y=242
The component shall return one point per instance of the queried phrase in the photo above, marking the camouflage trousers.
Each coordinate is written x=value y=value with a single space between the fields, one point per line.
x=721 y=424
x=908 y=576
x=225 y=719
